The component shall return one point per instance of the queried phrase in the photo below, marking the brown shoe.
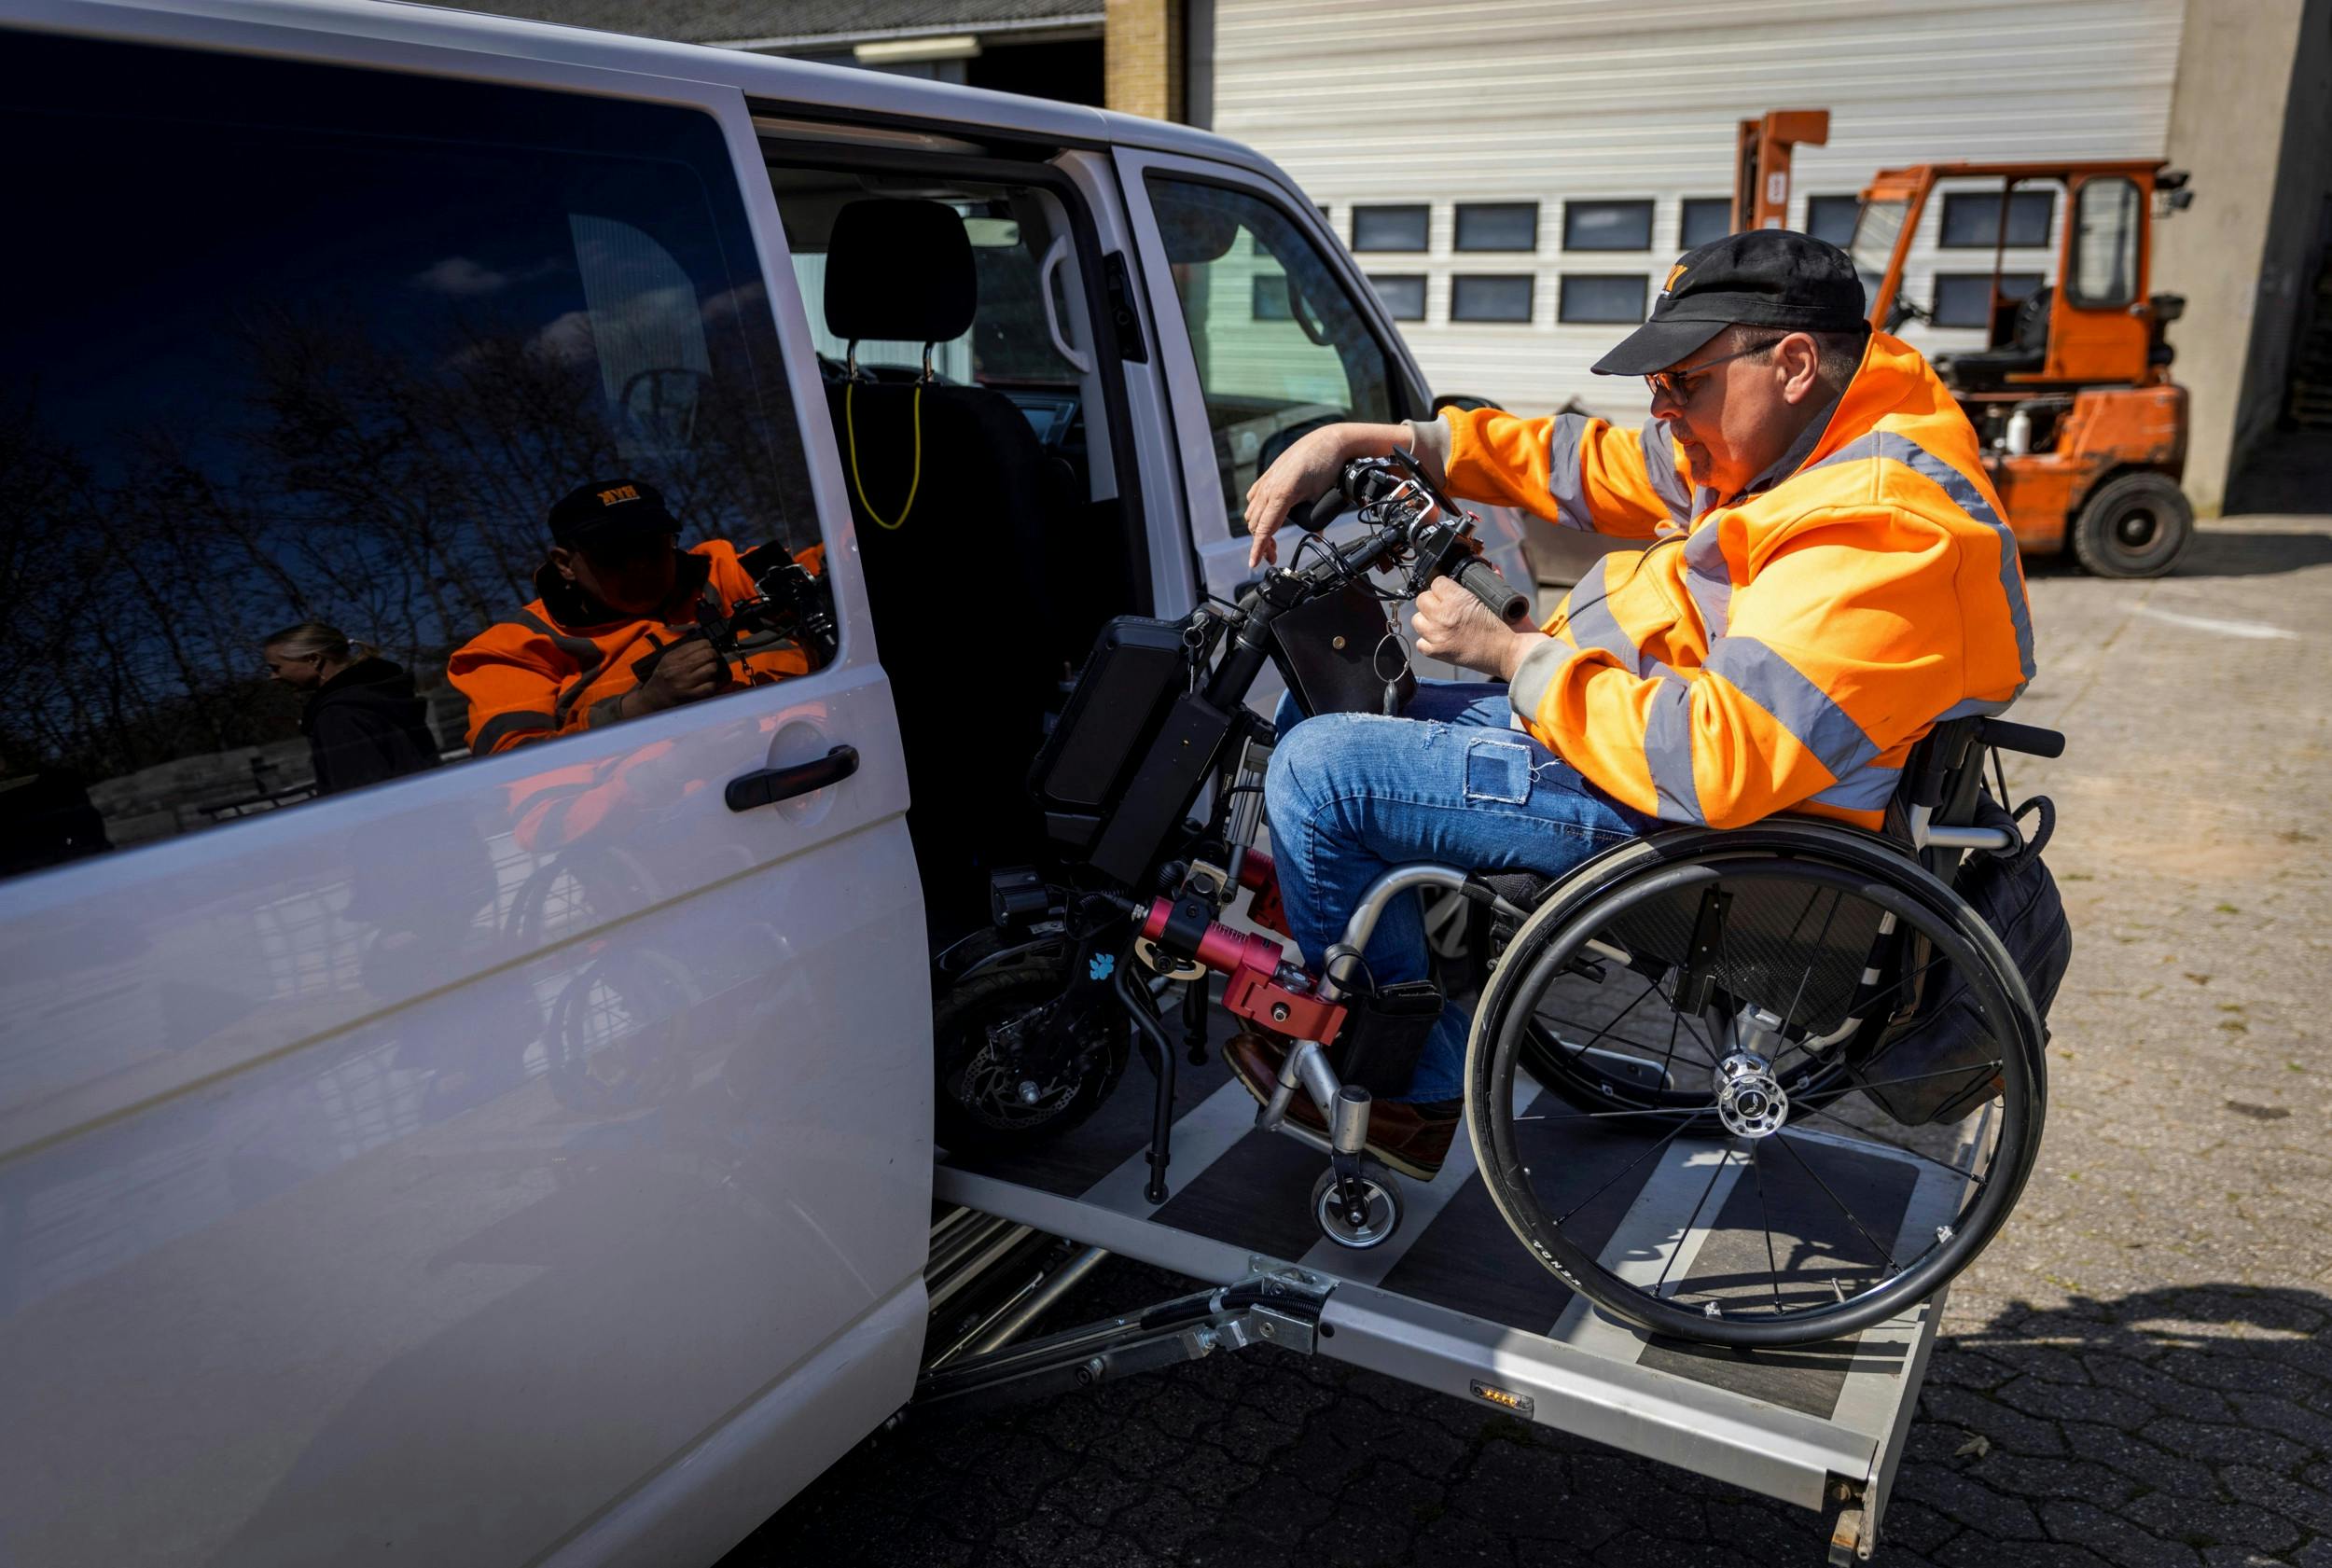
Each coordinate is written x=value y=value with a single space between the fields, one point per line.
x=1412 y=1139
x=1256 y=1061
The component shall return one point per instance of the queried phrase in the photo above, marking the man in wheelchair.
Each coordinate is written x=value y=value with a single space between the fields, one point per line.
x=1826 y=576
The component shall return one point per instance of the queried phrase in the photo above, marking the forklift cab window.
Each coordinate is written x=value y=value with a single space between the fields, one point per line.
x=2104 y=272
x=1873 y=244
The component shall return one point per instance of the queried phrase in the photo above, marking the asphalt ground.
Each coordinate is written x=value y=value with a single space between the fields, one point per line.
x=2137 y=1372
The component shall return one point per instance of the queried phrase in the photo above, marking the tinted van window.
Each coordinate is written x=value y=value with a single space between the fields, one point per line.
x=1269 y=375
x=299 y=358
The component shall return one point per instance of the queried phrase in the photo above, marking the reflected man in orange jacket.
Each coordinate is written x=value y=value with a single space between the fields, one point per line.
x=619 y=630
x=1826 y=573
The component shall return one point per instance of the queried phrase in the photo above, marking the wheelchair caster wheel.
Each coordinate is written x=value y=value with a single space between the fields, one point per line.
x=1380 y=1208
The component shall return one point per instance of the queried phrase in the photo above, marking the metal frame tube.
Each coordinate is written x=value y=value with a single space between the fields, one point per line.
x=1363 y=926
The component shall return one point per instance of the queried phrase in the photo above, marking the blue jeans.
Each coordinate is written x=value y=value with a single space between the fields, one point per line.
x=1352 y=795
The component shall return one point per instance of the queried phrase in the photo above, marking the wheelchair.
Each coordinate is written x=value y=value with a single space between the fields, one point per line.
x=1757 y=1007
x=1750 y=1088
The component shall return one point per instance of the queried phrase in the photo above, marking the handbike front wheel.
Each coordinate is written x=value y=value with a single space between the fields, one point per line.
x=1728 y=1209
x=1000 y=1091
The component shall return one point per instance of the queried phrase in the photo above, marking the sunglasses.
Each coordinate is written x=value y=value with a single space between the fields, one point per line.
x=1678 y=386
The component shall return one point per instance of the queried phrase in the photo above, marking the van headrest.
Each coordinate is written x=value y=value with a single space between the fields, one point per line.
x=901 y=270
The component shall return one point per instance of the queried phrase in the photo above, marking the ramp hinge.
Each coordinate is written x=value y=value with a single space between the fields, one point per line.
x=1274 y=1304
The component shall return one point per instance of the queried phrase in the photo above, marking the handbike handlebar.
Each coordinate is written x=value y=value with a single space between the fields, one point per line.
x=1412 y=518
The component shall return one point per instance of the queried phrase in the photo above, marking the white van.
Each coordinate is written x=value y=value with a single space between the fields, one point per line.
x=528 y=1157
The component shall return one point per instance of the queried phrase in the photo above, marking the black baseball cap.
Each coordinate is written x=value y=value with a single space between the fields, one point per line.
x=610 y=511
x=1767 y=277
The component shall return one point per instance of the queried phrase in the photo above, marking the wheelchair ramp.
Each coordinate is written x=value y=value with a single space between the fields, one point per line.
x=1453 y=1302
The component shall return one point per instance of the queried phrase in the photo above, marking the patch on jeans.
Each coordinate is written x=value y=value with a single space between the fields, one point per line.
x=1497 y=770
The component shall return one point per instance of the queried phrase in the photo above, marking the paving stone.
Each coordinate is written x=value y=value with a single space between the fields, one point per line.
x=2303 y=1505
x=2059 y=1401
x=2234 y=1368
x=1912 y=1525
x=1951 y=1368
x=2159 y=1389
x=1968 y=1552
x=2002 y=1425
x=2142 y=1460
x=1454 y=1539
x=2205 y=1524
x=2023 y=1475
x=2113 y=1537
x=1525 y=1494
x=2304 y=1426
x=2217 y=1443
x=1972 y=1504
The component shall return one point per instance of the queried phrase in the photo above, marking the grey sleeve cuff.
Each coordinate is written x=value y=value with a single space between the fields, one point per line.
x=1429 y=443
x=1535 y=674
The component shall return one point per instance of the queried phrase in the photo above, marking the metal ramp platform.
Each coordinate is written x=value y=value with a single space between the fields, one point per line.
x=1453 y=1302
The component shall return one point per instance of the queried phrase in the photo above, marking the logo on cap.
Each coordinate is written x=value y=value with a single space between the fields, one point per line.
x=1673 y=275
x=620 y=493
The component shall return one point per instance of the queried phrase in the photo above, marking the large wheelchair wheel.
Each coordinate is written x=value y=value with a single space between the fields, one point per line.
x=1779 y=1149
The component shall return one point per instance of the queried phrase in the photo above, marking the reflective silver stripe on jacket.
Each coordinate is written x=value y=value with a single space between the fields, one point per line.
x=1799 y=705
x=1565 y=481
x=1593 y=624
x=1893 y=447
x=1709 y=580
x=1668 y=750
x=1660 y=467
x=1866 y=791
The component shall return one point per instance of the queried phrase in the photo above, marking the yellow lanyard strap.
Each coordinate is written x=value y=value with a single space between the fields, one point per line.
x=850 y=429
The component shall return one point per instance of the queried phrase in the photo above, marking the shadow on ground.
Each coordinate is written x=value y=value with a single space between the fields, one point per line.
x=2223 y=553
x=2177 y=1427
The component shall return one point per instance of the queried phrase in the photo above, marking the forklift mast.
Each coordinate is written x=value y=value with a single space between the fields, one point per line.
x=1761 y=164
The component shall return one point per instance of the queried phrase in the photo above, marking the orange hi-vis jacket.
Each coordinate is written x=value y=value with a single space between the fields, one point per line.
x=538 y=675
x=1780 y=650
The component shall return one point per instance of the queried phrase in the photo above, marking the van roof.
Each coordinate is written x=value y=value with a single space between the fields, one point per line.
x=248 y=24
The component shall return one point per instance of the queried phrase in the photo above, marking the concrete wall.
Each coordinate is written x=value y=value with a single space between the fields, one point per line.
x=2248 y=118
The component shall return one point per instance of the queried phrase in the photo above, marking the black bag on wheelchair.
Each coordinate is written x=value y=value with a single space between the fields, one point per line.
x=1911 y=1071
x=1333 y=652
x=1385 y=1033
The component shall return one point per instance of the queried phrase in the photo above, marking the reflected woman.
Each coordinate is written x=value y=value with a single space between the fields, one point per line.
x=364 y=721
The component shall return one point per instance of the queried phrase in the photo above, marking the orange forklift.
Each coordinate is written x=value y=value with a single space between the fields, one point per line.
x=2085 y=436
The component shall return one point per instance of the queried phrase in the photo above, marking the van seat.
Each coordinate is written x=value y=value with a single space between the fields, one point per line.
x=956 y=579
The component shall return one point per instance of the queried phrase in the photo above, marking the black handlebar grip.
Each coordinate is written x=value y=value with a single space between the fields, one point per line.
x=1481 y=579
x=1320 y=513
x=2030 y=739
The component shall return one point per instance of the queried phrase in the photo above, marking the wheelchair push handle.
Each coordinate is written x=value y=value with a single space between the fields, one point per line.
x=2029 y=739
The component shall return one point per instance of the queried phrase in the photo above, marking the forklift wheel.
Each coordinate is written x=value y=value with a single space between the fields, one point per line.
x=2135 y=525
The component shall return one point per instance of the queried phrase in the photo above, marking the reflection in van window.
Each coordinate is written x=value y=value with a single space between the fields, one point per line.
x=1269 y=373
x=304 y=347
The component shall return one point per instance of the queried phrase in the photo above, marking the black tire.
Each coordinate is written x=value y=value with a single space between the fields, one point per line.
x=1382 y=1198
x=1964 y=1199
x=2133 y=525
x=973 y=1111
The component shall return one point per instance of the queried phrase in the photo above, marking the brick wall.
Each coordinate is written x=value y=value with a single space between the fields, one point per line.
x=1142 y=58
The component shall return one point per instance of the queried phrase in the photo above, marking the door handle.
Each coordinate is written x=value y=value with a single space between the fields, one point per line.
x=765 y=785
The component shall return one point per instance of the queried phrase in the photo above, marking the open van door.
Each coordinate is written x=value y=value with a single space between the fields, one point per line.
x=405 y=1174
x=1268 y=333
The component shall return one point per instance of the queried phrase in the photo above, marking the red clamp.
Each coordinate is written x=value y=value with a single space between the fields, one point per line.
x=1253 y=991
x=1259 y=877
